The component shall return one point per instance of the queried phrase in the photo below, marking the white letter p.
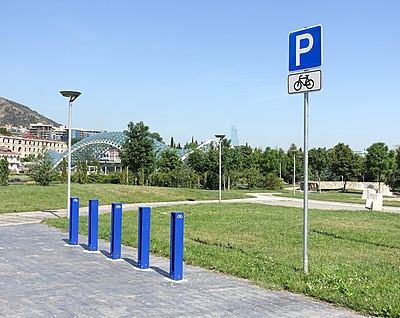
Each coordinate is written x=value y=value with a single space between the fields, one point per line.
x=306 y=49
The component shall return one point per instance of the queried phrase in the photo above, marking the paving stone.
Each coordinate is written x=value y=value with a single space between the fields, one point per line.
x=41 y=277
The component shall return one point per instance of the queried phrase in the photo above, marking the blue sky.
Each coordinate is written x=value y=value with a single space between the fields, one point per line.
x=194 y=68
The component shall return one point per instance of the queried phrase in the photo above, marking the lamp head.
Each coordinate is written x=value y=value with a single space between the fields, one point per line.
x=71 y=94
x=220 y=136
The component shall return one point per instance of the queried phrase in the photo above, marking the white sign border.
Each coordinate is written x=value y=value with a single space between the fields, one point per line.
x=322 y=45
x=305 y=72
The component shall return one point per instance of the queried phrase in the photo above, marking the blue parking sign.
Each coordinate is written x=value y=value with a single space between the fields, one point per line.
x=305 y=48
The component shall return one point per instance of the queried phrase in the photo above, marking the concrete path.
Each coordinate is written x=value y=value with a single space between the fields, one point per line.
x=260 y=198
x=271 y=199
x=41 y=277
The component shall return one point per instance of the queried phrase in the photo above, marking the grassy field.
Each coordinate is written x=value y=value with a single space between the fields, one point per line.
x=30 y=197
x=21 y=198
x=352 y=196
x=354 y=256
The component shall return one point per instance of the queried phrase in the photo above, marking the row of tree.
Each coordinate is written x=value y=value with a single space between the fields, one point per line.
x=241 y=166
x=254 y=168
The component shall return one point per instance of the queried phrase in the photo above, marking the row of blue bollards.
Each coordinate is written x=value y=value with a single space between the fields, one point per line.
x=176 y=234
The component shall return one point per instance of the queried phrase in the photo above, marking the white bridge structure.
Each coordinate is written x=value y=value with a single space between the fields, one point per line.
x=96 y=146
x=204 y=146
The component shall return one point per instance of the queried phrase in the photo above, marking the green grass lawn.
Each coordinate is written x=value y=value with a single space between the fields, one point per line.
x=354 y=256
x=22 y=198
x=352 y=196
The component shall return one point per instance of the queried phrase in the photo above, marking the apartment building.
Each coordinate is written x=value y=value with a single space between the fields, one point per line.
x=25 y=146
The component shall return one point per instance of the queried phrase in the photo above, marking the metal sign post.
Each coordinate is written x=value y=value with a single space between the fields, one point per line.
x=305 y=201
x=305 y=52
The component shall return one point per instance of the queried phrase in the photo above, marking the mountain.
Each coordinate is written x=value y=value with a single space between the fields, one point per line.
x=12 y=113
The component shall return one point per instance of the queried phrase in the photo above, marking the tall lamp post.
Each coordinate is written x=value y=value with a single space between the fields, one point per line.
x=72 y=95
x=220 y=137
x=294 y=171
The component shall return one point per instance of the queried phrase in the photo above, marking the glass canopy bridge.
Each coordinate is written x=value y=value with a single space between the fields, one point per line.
x=96 y=146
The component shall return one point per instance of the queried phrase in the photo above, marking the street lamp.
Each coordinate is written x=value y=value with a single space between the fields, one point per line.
x=294 y=151
x=220 y=137
x=72 y=95
x=280 y=168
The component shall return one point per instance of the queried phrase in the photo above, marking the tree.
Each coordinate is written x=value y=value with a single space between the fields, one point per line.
x=245 y=157
x=137 y=151
x=156 y=136
x=84 y=168
x=285 y=165
x=294 y=154
x=78 y=174
x=273 y=182
x=394 y=180
x=4 y=172
x=28 y=158
x=42 y=170
x=256 y=158
x=192 y=145
x=252 y=177
x=64 y=174
x=344 y=163
x=318 y=162
x=205 y=164
x=169 y=160
x=124 y=176
x=197 y=161
x=378 y=161
x=270 y=161
x=212 y=168
x=230 y=162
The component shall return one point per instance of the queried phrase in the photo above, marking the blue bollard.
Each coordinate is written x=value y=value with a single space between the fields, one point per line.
x=144 y=237
x=176 y=246
x=116 y=230
x=93 y=225
x=73 y=221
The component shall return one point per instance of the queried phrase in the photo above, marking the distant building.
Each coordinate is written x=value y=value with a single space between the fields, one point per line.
x=80 y=133
x=111 y=155
x=13 y=158
x=15 y=130
x=40 y=130
x=234 y=136
x=26 y=145
x=61 y=133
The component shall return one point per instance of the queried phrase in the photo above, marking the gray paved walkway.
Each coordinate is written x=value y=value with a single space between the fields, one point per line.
x=40 y=277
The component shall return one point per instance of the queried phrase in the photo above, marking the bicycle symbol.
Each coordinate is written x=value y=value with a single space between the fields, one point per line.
x=303 y=81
